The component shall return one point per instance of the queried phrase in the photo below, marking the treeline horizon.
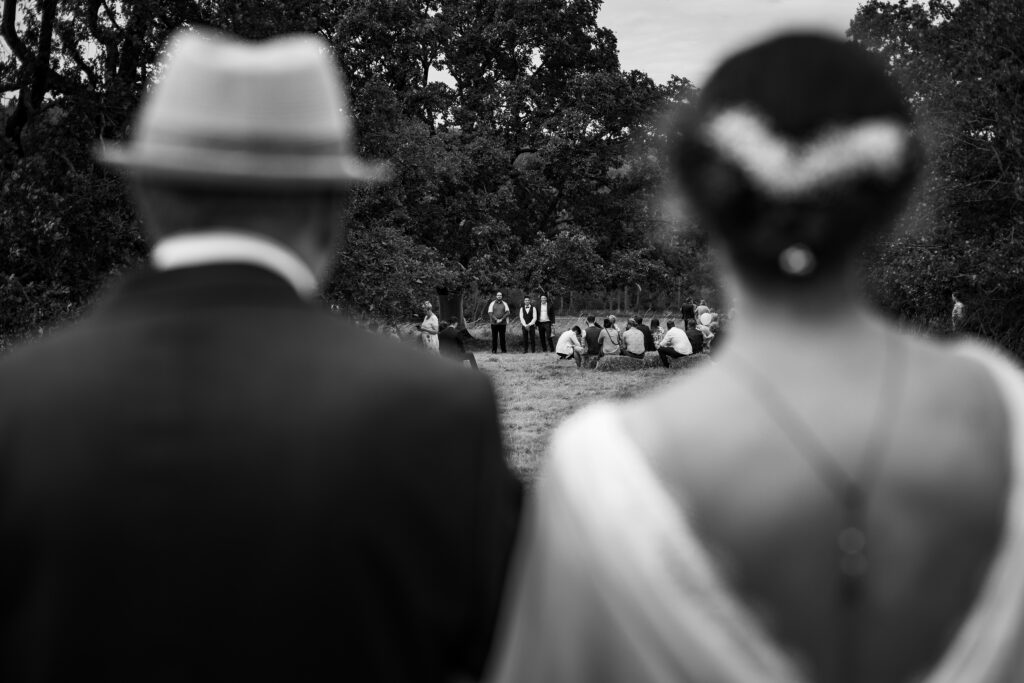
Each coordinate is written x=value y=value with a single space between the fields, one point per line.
x=539 y=166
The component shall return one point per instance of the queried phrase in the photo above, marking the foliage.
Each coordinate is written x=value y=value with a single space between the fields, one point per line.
x=963 y=69
x=525 y=157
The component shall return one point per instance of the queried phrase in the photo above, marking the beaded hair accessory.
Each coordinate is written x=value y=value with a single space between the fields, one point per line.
x=787 y=169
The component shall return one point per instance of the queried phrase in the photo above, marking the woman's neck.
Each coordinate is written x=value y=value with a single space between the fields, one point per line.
x=826 y=321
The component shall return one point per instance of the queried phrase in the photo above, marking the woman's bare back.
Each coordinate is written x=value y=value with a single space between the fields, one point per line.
x=934 y=513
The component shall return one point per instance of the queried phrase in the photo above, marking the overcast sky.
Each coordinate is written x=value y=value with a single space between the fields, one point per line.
x=689 y=37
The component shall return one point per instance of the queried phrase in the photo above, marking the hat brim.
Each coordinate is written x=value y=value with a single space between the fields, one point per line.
x=243 y=167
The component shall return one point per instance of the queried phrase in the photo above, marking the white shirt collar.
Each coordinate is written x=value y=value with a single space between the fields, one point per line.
x=212 y=247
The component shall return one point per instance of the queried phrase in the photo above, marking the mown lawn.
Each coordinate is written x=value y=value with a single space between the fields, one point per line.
x=536 y=392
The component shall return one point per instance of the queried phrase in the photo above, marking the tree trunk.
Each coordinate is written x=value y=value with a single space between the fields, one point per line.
x=452 y=305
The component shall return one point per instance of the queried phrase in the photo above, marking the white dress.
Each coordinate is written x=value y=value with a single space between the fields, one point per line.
x=612 y=584
x=428 y=333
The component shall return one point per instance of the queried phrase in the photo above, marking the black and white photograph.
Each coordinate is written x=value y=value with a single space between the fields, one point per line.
x=512 y=341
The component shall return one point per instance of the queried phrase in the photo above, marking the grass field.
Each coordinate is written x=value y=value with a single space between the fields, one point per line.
x=536 y=392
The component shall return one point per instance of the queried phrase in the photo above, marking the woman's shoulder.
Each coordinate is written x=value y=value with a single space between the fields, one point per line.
x=972 y=379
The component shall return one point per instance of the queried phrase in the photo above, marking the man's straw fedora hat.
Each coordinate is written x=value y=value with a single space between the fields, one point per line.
x=227 y=112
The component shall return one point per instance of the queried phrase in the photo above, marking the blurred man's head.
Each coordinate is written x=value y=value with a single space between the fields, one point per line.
x=246 y=137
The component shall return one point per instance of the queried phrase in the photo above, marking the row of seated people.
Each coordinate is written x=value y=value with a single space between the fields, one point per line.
x=635 y=341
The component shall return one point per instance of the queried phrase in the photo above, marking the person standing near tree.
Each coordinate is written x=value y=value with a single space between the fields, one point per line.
x=958 y=312
x=545 y=320
x=499 y=312
x=528 y=319
x=429 y=328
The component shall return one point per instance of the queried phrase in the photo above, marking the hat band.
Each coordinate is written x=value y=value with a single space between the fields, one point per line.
x=251 y=144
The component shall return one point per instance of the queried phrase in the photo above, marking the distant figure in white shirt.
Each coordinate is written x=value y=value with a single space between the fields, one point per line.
x=674 y=344
x=570 y=346
x=958 y=312
x=545 y=319
x=429 y=328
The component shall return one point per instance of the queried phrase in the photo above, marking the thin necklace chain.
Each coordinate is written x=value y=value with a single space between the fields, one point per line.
x=851 y=490
x=841 y=483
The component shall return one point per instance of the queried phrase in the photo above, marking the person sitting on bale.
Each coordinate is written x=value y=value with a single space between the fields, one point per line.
x=633 y=341
x=674 y=344
x=569 y=345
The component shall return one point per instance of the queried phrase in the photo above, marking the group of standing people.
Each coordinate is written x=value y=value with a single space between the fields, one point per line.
x=534 y=320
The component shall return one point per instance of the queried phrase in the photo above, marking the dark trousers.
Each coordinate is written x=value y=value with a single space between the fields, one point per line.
x=664 y=353
x=546 y=342
x=497 y=334
x=530 y=339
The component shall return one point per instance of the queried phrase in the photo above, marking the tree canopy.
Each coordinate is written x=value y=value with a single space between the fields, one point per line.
x=962 y=66
x=525 y=157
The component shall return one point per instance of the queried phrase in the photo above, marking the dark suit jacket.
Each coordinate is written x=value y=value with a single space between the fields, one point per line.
x=208 y=479
x=450 y=342
x=696 y=339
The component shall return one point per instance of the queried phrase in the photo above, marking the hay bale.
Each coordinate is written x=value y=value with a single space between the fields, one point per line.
x=650 y=360
x=617 y=363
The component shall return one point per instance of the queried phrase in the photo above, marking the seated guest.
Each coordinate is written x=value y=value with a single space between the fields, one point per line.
x=646 y=331
x=609 y=338
x=706 y=331
x=451 y=343
x=657 y=332
x=674 y=344
x=695 y=337
x=592 y=336
x=633 y=341
x=569 y=345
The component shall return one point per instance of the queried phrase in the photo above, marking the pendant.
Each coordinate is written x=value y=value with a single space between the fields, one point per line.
x=853 y=563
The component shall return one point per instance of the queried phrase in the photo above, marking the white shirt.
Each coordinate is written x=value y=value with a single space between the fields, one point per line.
x=677 y=340
x=543 y=317
x=212 y=247
x=567 y=342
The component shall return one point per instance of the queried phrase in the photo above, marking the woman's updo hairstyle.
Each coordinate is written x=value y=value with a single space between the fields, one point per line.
x=799 y=150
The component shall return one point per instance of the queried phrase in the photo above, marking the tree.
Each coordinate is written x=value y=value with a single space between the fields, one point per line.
x=963 y=69
x=521 y=150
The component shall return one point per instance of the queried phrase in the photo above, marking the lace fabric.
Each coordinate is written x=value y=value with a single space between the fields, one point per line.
x=612 y=583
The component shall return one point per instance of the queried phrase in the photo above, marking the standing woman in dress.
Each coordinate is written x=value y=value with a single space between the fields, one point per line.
x=429 y=328
x=854 y=509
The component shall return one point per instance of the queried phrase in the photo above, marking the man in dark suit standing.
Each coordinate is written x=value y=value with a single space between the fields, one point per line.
x=209 y=478
x=545 y=320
